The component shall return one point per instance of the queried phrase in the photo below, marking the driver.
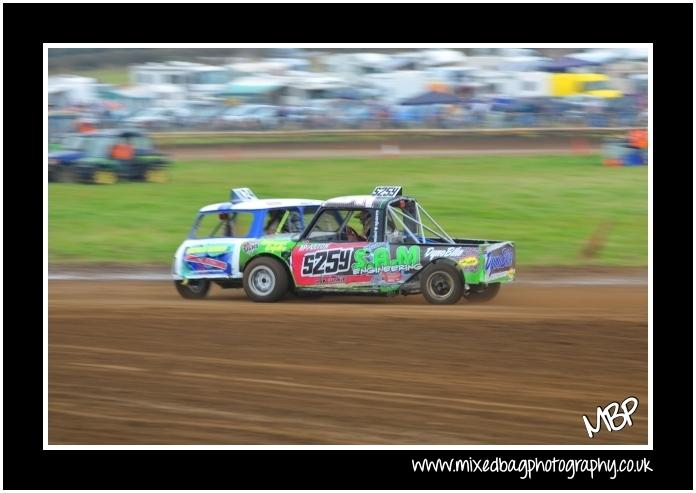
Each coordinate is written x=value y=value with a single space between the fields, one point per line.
x=274 y=218
x=226 y=224
x=367 y=222
x=366 y=219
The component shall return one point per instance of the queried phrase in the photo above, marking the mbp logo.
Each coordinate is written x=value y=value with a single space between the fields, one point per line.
x=610 y=414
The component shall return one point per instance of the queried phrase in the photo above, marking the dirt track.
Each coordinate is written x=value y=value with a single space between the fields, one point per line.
x=132 y=363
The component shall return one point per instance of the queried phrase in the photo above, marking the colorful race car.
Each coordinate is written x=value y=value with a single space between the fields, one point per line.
x=213 y=249
x=384 y=243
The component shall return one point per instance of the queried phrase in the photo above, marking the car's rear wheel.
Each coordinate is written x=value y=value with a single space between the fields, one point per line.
x=481 y=293
x=65 y=174
x=193 y=289
x=265 y=280
x=104 y=177
x=441 y=284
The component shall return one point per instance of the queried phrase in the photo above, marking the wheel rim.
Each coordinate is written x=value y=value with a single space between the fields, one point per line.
x=261 y=280
x=440 y=285
x=196 y=286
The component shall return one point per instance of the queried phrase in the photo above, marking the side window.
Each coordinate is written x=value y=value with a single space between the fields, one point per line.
x=342 y=225
x=327 y=226
x=308 y=214
x=280 y=221
x=355 y=230
x=402 y=223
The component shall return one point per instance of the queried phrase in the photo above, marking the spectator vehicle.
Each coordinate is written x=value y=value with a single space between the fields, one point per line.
x=60 y=161
x=101 y=165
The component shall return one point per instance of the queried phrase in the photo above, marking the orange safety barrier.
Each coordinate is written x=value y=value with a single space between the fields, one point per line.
x=122 y=151
x=638 y=139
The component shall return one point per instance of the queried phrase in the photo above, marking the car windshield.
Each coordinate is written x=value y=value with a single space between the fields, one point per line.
x=223 y=225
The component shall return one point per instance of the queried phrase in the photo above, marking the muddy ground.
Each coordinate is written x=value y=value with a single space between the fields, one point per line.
x=402 y=146
x=132 y=363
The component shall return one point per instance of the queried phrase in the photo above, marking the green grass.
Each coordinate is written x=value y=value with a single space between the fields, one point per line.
x=548 y=205
x=117 y=76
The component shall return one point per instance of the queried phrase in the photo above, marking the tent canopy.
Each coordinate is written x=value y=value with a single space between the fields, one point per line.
x=250 y=87
x=565 y=63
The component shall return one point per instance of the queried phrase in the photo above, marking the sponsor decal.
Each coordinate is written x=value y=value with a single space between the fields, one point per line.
x=500 y=260
x=207 y=261
x=468 y=262
x=274 y=246
x=208 y=249
x=332 y=280
x=390 y=276
x=305 y=247
x=321 y=262
x=250 y=246
x=380 y=260
x=208 y=258
x=432 y=253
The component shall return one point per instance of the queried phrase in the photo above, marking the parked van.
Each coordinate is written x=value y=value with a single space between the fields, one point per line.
x=571 y=84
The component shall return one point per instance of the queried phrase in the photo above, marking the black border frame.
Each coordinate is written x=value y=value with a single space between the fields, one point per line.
x=27 y=26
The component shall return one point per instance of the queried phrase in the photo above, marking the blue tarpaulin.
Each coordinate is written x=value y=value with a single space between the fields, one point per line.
x=565 y=63
x=433 y=98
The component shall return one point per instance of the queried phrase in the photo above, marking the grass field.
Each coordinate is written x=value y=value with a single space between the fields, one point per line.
x=550 y=206
x=117 y=76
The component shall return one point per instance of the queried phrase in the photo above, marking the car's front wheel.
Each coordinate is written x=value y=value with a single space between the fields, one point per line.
x=441 y=284
x=156 y=176
x=194 y=289
x=265 y=280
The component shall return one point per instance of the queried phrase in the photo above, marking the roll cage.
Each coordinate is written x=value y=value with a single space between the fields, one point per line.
x=400 y=220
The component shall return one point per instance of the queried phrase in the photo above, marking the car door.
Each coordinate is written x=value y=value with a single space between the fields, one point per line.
x=325 y=259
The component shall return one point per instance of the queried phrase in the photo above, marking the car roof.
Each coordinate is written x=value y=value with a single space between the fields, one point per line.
x=362 y=201
x=259 y=204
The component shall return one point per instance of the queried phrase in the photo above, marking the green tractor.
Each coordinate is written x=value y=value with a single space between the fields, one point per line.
x=120 y=155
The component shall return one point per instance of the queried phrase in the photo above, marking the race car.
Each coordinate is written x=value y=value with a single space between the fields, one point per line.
x=384 y=243
x=213 y=248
